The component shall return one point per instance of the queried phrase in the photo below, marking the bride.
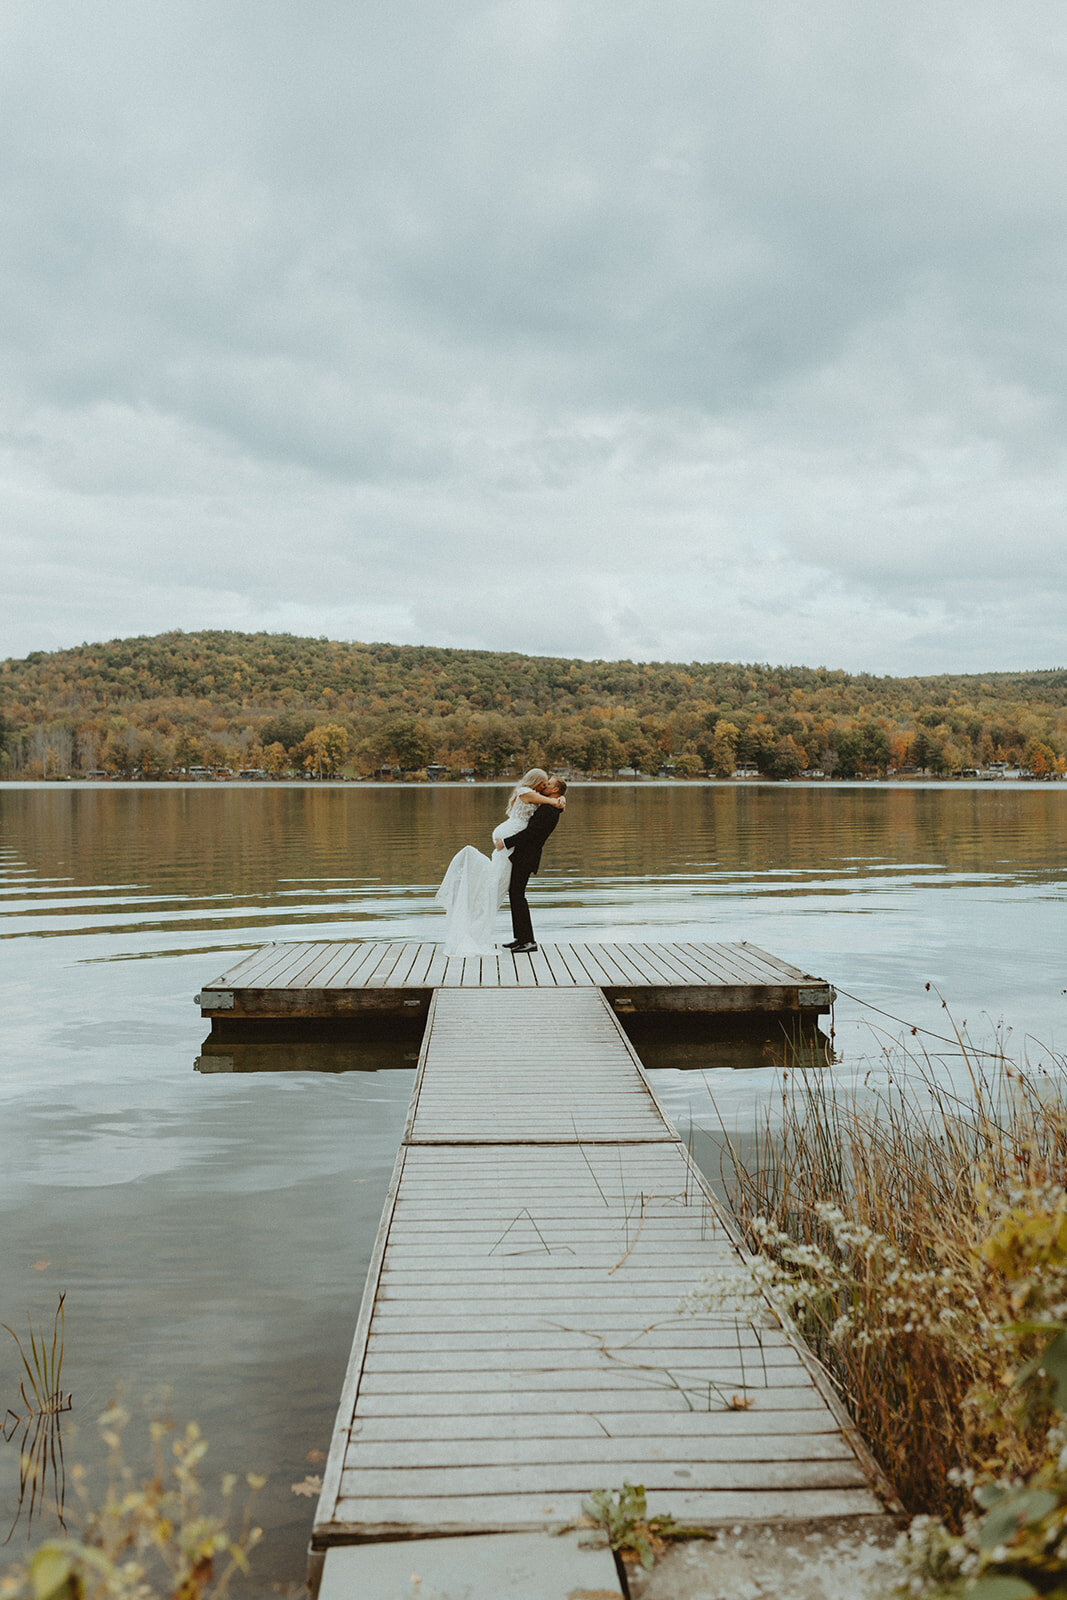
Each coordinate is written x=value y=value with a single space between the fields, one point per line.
x=475 y=886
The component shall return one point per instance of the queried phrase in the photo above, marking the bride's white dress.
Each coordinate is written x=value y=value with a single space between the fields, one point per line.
x=475 y=886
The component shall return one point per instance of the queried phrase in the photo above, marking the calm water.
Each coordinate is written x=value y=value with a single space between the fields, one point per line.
x=212 y=1233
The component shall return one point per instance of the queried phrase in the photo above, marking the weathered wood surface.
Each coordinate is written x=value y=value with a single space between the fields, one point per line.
x=329 y=980
x=521 y=1340
x=534 y=1066
x=511 y=1566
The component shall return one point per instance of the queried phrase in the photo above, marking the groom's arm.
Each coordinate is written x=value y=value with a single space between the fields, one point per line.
x=537 y=829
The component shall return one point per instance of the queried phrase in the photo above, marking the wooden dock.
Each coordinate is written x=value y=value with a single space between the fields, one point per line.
x=521 y=1340
x=359 y=977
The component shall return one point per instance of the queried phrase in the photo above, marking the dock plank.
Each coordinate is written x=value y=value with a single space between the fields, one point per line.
x=666 y=1401
x=561 y=1474
x=776 y=963
x=726 y=1432
x=488 y=1511
x=296 y=959
x=347 y=974
x=393 y=971
x=380 y=975
x=710 y=960
x=416 y=978
x=761 y=1449
x=614 y=959
x=340 y=960
x=268 y=958
x=437 y=968
x=507 y=974
x=741 y=968
x=312 y=972
x=566 y=953
x=598 y=974
x=247 y=962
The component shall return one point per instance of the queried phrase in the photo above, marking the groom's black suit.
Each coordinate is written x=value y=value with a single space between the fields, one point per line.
x=526 y=850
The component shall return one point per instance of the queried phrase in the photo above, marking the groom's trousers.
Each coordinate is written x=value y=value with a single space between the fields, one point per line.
x=521 y=923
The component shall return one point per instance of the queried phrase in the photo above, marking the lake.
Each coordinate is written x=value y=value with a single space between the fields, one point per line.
x=212 y=1232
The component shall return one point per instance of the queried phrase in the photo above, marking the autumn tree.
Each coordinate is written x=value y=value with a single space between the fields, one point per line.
x=900 y=750
x=864 y=750
x=601 y=752
x=121 y=751
x=1040 y=758
x=288 y=731
x=567 y=745
x=785 y=759
x=156 y=756
x=323 y=749
x=276 y=759
x=758 y=744
x=491 y=742
x=720 y=755
x=409 y=741
x=188 y=752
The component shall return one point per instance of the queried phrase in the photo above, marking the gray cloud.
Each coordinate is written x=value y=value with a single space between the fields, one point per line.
x=674 y=330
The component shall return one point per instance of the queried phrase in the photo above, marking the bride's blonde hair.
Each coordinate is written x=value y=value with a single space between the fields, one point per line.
x=529 y=780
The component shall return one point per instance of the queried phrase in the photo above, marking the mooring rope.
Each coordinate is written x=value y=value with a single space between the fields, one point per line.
x=917 y=1027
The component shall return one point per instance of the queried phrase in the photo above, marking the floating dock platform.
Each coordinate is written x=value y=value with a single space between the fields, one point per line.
x=359 y=978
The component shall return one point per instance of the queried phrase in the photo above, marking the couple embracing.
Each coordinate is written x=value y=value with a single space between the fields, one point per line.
x=475 y=886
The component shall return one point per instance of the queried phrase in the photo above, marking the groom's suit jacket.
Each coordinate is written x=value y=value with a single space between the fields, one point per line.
x=526 y=846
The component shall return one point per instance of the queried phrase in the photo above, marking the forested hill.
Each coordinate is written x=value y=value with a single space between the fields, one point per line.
x=282 y=702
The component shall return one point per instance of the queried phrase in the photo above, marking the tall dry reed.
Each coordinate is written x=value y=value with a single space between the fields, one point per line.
x=915 y=1225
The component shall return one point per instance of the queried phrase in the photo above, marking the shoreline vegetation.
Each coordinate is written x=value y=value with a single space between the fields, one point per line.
x=917 y=1237
x=127 y=1536
x=201 y=705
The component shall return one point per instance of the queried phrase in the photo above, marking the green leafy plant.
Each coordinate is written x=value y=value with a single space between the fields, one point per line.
x=1013 y=1546
x=622 y=1515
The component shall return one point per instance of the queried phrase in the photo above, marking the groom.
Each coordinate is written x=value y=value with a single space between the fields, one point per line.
x=526 y=850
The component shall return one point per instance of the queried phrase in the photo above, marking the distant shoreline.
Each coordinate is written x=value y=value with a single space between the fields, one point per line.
x=577 y=784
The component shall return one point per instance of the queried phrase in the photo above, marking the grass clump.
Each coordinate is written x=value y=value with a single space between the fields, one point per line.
x=38 y=1418
x=915 y=1227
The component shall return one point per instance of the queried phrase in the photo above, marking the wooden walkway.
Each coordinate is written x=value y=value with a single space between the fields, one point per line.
x=521 y=1340
x=354 y=977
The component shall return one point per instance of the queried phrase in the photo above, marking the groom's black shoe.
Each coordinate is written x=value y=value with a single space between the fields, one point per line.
x=512 y=944
x=522 y=949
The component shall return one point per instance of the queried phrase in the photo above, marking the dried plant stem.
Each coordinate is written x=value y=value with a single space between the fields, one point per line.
x=917 y=1328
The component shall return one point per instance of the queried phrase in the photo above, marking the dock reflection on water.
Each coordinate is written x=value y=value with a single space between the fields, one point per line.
x=697 y=1044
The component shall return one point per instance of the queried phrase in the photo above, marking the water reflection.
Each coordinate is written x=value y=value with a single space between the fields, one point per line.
x=663 y=1041
x=168 y=860
x=311 y=1047
x=722 y=1044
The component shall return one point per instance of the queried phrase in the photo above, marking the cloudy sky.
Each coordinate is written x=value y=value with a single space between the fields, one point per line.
x=686 y=329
